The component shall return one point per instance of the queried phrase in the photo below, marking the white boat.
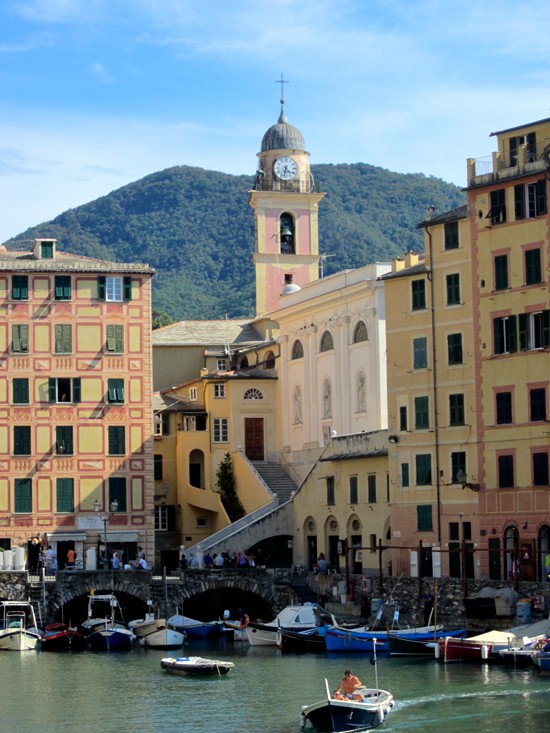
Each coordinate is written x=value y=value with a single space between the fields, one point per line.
x=238 y=631
x=18 y=630
x=344 y=714
x=196 y=666
x=155 y=632
x=293 y=618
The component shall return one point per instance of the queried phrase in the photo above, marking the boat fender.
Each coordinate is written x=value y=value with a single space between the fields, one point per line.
x=485 y=651
x=244 y=621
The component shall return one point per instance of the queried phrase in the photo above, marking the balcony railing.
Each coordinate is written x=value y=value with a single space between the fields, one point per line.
x=262 y=183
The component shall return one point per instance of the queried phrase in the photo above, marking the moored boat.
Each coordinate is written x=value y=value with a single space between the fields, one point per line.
x=59 y=637
x=107 y=633
x=300 y=617
x=341 y=639
x=196 y=666
x=542 y=661
x=155 y=632
x=195 y=629
x=480 y=648
x=18 y=630
x=404 y=646
x=312 y=640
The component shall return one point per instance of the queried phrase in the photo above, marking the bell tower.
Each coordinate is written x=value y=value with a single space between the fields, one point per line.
x=285 y=200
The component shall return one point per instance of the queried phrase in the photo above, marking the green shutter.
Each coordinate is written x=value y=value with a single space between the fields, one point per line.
x=522 y=331
x=512 y=334
x=101 y=288
x=23 y=495
x=127 y=288
x=519 y=201
x=497 y=345
x=119 y=337
x=541 y=197
x=546 y=329
x=24 y=337
x=52 y=389
x=77 y=391
x=21 y=391
x=65 y=495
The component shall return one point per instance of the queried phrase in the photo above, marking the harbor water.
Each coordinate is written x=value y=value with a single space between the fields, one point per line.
x=94 y=692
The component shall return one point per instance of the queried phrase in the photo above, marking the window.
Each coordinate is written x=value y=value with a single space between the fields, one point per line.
x=20 y=391
x=454 y=348
x=20 y=339
x=62 y=287
x=421 y=413
x=193 y=394
x=497 y=212
x=286 y=233
x=453 y=289
x=371 y=488
x=64 y=389
x=423 y=469
x=537 y=404
x=63 y=339
x=221 y=365
x=424 y=520
x=330 y=490
x=117 y=440
x=458 y=465
x=115 y=391
x=540 y=469
x=165 y=518
x=530 y=199
x=219 y=391
x=420 y=353
x=64 y=495
x=165 y=417
x=353 y=497
x=360 y=333
x=403 y=418
x=405 y=480
x=114 y=289
x=269 y=362
x=418 y=293
x=64 y=440
x=22 y=440
x=253 y=394
x=158 y=466
x=46 y=250
x=297 y=350
x=530 y=142
x=157 y=426
x=501 y=272
x=115 y=339
x=221 y=425
x=534 y=330
x=451 y=235
x=505 y=335
x=117 y=492
x=505 y=472
x=456 y=409
x=22 y=493
x=20 y=287
x=504 y=408
x=533 y=267
x=372 y=542
x=327 y=344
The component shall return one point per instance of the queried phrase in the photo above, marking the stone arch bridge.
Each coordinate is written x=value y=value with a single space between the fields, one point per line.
x=201 y=594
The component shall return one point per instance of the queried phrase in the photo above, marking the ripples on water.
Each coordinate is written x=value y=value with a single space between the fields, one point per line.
x=128 y=692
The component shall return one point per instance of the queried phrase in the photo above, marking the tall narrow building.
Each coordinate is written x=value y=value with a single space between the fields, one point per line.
x=285 y=200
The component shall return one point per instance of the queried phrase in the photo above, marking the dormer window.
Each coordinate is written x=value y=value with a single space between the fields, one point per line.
x=44 y=249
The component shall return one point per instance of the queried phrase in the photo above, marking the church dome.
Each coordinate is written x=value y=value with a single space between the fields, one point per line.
x=283 y=136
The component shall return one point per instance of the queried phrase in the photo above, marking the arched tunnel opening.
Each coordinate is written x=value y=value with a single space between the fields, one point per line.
x=75 y=611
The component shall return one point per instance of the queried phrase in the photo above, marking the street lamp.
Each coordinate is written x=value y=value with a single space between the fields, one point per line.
x=105 y=519
x=462 y=479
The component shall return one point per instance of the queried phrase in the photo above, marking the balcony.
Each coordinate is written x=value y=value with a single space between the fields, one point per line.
x=499 y=167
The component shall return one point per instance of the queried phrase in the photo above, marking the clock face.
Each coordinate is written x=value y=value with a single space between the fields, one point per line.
x=285 y=168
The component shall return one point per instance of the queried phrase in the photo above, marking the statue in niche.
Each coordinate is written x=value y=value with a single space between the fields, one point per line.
x=297 y=405
x=361 y=402
x=327 y=400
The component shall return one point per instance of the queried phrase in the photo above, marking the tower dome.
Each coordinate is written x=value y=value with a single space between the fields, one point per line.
x=283 y=136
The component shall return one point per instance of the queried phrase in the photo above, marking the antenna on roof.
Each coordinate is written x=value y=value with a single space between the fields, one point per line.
x=322 y=259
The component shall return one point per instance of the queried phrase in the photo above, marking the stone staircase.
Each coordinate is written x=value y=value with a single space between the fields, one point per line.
x=276 y=478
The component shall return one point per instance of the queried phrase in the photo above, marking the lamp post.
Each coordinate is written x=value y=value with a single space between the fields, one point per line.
x=105 y=519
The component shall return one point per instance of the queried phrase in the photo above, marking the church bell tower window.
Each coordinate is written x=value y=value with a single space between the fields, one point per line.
x=286 y=234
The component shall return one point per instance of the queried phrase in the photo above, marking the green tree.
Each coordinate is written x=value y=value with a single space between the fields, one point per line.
x=225 y=481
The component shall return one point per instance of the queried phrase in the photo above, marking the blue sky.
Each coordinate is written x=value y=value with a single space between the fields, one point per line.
x=95 y=94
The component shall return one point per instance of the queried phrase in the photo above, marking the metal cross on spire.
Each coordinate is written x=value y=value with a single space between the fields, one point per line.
x=282 y=81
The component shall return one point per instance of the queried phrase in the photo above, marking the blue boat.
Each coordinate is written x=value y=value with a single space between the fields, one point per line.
x=194 y=629
x=340 y=639
x=106 y=633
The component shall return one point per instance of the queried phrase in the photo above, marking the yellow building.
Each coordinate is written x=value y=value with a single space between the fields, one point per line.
x=431 y=403
x=75 y=385
x=509 y=220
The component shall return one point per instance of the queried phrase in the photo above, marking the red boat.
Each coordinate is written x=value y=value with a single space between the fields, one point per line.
x=58 y=637
x=482 y=648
